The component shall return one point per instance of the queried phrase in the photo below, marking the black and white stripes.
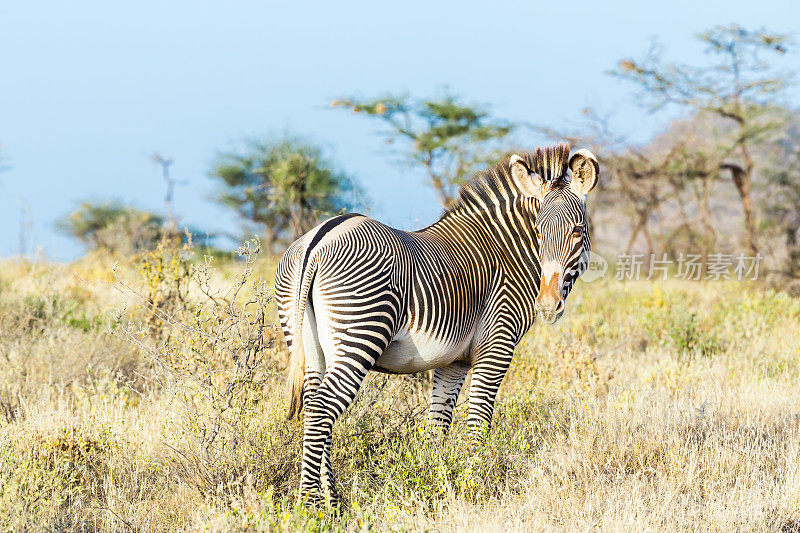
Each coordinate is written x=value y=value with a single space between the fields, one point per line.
x=355 y=295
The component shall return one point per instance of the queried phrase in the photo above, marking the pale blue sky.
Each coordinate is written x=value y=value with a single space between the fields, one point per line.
x=89 y=89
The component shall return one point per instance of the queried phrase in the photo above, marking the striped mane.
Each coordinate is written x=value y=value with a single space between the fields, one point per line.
x=494 y=185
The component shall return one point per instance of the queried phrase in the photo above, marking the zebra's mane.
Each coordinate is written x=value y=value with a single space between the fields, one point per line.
x=495 y=184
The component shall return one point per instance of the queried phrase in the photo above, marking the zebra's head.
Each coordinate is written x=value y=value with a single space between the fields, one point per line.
x=561 y=228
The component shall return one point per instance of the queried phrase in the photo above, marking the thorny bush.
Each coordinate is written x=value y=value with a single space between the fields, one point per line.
x=210 y=347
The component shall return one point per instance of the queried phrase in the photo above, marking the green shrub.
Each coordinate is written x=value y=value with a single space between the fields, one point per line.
x=690 y=336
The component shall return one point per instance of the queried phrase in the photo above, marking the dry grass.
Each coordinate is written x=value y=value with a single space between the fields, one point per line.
x=651 y=406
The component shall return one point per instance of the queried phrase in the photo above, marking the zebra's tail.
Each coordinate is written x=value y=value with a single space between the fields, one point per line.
x=297 y=362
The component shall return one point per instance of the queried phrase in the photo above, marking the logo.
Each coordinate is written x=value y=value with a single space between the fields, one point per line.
x=596 y=269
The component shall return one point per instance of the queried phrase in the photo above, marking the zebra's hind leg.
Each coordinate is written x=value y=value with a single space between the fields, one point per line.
x=336 y=392
x=447 y=383
x=314 y=355
x=311 y=384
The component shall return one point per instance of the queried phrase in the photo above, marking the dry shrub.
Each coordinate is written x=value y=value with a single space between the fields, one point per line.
x=212 y=351
x=52 y=479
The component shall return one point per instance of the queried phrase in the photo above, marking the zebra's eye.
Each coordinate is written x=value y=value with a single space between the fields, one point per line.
x=578 y=231
x=537 y=233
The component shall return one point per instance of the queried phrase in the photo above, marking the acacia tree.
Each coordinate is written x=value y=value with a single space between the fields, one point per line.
x=739 y=86
x=649 y=182
x=282 y=186
x=447 y=137
x=165 y=163
x=113 y=226
x=638 y=179
x=783 y=201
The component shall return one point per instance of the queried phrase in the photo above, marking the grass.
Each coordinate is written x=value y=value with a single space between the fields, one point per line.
x=651 y=405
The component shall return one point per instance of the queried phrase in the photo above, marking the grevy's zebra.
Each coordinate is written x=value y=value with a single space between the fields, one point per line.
x=355 y=295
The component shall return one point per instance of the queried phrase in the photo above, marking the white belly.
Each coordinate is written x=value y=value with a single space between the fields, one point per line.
x=414 y=352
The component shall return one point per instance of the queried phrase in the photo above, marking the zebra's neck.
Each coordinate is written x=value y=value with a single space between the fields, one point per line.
x=503 y=232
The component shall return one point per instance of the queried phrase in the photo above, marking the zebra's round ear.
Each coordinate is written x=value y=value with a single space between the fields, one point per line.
x=528 y=182
x=585 y=171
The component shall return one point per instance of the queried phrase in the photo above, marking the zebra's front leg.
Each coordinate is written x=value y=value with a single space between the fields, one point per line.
x=489 y=369
x=334 y=394
x=447 y=383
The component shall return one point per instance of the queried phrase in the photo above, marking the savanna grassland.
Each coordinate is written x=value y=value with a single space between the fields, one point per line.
x=652 y=405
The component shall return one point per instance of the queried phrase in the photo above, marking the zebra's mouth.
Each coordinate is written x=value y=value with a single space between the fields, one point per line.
x=550 y=318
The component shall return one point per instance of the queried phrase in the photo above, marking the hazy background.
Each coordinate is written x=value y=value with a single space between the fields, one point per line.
x=89 y=91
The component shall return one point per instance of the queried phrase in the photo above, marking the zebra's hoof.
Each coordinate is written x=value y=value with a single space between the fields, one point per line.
x=317 y=499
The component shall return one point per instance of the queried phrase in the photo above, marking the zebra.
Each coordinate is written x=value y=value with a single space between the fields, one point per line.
x=355 y=295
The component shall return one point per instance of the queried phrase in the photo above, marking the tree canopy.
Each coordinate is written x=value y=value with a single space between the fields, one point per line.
x=283 y=187
x=449 y=138
x=114 y=227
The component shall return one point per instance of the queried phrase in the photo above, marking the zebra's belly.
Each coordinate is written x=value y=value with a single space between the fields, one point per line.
x=414 y=352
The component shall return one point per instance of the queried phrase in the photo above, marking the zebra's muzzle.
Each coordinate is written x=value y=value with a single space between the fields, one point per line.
x=550 y=313
x=550 y=303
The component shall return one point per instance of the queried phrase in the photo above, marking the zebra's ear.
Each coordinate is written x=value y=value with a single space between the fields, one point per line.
x=585 y=171
x=528 y=182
